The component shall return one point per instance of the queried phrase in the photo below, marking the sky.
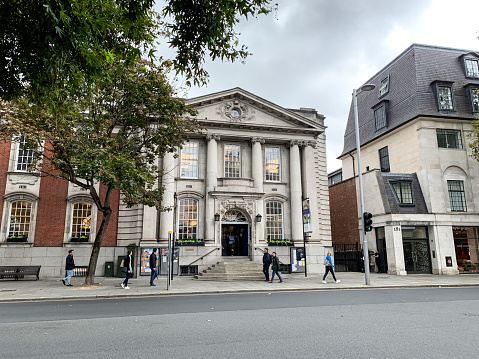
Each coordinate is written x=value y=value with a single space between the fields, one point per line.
x=313 y=53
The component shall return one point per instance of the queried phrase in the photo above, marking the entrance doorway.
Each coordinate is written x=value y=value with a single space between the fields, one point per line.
x=234 y=239
x=416 y=256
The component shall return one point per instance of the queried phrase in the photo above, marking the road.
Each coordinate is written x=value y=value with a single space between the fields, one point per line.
x=382 y=323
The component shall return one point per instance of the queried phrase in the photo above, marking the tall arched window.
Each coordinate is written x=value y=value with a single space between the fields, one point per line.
x=19 y=221
x=188 y=219
x=274 y=220
x=81 y=222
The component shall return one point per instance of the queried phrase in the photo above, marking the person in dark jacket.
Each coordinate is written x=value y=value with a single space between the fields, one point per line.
x=69 y=265
x=377 y=257
x=275 y=262
x=154 y=273
x=266 y=263
x=127 y=269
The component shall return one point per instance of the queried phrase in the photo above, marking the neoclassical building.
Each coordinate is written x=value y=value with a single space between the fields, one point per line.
x=233 y=189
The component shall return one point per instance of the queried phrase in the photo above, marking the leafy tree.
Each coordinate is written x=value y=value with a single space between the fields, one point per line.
x=115 y=136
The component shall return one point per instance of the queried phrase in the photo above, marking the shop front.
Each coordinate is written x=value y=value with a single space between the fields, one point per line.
x=467 y=252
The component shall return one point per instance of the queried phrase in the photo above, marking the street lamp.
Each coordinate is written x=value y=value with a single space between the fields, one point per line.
x=366 y=87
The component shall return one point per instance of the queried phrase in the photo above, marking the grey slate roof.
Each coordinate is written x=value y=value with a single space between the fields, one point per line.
x=410 y=91
x=418 y=198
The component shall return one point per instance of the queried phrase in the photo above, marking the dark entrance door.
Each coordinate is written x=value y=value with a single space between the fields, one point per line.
x=234 y=239
x=416 y=256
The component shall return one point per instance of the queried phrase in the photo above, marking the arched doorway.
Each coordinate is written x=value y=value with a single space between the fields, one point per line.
x=234 y=234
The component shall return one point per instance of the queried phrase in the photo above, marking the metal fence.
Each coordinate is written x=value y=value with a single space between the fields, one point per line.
x=348 y=257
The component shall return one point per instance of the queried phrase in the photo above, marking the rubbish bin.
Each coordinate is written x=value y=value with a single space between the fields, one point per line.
x=109 y=269
x=119 y=272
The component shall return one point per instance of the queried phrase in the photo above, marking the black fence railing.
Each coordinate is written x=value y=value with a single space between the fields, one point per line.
x=348 y=257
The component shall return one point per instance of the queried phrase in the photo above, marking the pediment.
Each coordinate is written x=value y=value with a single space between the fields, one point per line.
x=237 y=107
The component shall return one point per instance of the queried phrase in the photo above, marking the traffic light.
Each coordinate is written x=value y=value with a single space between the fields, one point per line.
x=367 y=222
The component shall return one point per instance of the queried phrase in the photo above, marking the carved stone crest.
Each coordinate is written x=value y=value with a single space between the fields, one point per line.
x=235 y=111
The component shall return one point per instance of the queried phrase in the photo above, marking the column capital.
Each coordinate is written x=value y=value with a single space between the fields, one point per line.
x=212 y=136
x=312 y=144
x=253 y=140
x=292 y=143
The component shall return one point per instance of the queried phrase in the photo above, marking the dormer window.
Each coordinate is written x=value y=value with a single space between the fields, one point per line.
x=403 y=192
x=384 y=87
x=472 y=68
x=473 y=95
x=444 y=95
x=381 y=115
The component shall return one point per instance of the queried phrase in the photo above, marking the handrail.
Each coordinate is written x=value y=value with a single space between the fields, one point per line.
x=196 y=260
x=262 y=250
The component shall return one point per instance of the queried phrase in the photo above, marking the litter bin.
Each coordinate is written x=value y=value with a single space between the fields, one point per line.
x=109 y=269
x=119 y=272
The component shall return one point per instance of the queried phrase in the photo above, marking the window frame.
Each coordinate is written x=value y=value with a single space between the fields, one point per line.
x=466 y=73
x=400 y=197
x=381 y=156
x=458 y=138
x=384 y=105
x=28 y=224
x=225 y=162
x=381 y=88
x=186 y=235
x=266 y=163
x=79 y=236
x=462 y=197
x=279 y=233
x=437 y=85
x=30 y=154
x=473 y=91
x=193 y=162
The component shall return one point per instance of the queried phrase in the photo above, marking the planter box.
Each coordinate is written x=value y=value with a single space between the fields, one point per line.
x=17 y=239
x=78 y=239
x=281 y=244
x=184 y=244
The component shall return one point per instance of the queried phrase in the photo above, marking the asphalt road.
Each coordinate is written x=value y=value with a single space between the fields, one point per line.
x=384 y=323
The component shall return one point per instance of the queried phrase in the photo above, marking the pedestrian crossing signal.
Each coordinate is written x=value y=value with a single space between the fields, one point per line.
x=367 y=222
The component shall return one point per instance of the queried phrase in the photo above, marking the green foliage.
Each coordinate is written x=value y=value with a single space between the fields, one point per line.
x=113 y=136
x=474 y=136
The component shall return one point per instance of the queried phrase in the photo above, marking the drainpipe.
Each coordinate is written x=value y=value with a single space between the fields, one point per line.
x=354 y=170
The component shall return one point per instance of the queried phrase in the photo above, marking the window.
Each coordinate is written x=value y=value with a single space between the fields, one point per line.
x=25 y=156
x=472 y=68
x=232 y=161
x=384 y=87
x=384 y=159
x=457 y=197
x=403 y=192
x=81 y=222
x=444 y=96
x=336 y=178
x=19 y=221
x=449 y=138
x=380 y=117
x=474 y=96
x=273 y=164
x=188 y=219
x=274 y=220
x=189 y=160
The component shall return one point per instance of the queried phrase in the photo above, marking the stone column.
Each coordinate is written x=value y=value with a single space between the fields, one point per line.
x=168 y=182
x=308 y=181
x=211 y=182
x=257 y=171
x=295 y=190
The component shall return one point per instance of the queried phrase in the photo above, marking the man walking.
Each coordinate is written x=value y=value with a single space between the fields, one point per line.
x=69 y=265
x=266 y=263
x=275 y=261
x=154 y=273
x=127 y=269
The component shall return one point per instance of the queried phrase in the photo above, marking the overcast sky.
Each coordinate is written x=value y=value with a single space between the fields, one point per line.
x=312 y=53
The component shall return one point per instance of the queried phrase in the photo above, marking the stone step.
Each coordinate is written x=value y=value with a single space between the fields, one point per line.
x=233 y=268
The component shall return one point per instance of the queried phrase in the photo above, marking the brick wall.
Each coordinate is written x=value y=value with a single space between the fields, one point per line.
x=344 y=212
x=111 y=233
x=52 y=207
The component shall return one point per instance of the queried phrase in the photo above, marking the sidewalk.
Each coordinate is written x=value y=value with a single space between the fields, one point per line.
x=52 y=288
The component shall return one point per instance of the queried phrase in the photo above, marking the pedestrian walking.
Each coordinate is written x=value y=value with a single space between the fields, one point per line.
x=127 y=269
x=377 y=257
x=328 y=264
x=69 y=266
x=275 y=262
x=154 y=272
x=266 y=263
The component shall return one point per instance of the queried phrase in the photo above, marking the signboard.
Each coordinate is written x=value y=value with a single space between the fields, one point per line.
x=298 y=260
x=145 y=261
x=307 y=227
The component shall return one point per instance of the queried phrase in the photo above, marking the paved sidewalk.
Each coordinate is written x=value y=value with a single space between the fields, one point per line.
x=52 y=288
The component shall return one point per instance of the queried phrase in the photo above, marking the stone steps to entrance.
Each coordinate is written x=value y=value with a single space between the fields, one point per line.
x=231 y=269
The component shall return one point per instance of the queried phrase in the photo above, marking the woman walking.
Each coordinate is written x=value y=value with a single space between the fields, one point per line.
x=328 y=264
x=127 y=269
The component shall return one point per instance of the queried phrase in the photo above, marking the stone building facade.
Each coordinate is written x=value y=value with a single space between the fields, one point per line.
x=233 y=189
x=420 y=182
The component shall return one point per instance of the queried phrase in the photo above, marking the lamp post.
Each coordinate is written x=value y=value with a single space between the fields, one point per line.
x=366 y=87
